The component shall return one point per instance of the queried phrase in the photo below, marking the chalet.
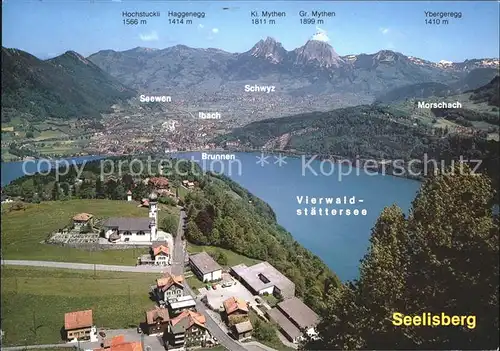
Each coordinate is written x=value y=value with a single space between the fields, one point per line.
x=160 y=253
x=82 y=219
x=188 y=329
x=156 y=321
x=158 y=182
x=79 y=325
x=242 y=330
x=170 y=287
x=205 y=267
x=235 y=310
x=294 y=319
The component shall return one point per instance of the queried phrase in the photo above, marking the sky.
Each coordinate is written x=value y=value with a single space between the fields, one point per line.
x=46 y=28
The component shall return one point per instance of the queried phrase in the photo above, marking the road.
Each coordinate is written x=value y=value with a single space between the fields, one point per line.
x=87 y=266
x=216 y=331
x=151 y=343
x=177 y=266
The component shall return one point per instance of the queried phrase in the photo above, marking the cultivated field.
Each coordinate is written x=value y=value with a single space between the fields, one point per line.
x=24 y=231
x=34 y=301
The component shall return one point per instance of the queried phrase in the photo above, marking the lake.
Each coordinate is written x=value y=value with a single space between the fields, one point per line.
x=339 y=240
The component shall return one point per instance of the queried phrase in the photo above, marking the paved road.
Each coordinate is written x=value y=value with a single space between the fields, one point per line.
x=178 y=257
x=151 y=343
x=177 y=267
x=216 y=331
x=88 y=266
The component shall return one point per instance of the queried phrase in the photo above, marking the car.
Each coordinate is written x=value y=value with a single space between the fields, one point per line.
x=139 y=330
x=227 y=284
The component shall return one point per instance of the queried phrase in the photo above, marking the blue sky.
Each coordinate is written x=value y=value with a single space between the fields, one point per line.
x=49 y=27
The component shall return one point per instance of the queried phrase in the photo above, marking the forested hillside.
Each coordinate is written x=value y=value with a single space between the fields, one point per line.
x=220 y=213
x=370 y=132
x=226 y=215
x=443 y=258
x=488 y=93
x=68 y=86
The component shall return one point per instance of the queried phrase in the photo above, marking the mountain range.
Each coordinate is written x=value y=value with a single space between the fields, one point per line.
x=66 y=86
x=311 y=77
x=313 y=68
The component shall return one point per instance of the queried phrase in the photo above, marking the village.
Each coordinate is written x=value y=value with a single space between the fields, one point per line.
x=198 y=304
x=178 y=323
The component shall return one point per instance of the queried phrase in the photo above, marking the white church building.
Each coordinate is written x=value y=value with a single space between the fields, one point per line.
x=138 y=230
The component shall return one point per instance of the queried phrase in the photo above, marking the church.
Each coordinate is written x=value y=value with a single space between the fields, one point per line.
x=136 y=229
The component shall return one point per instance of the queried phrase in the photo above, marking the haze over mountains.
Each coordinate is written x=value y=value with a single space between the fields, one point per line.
x=311 y=77
x=314 y=68
x=66 y=86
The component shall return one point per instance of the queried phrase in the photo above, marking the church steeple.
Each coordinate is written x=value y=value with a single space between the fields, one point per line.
x=153 y=214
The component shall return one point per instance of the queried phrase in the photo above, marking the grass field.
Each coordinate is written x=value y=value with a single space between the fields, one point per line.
x=232 y=258
x=195 y=283
x=49 y=134
x=23 y=232
x=34 y=301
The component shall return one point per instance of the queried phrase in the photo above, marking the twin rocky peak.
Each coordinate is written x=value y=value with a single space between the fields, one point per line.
x=314 y=51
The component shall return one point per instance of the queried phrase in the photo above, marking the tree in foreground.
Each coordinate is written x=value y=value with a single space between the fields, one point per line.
x=443 y=258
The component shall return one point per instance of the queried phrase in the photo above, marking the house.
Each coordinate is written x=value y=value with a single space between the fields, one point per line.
x=205 y=267
x=158 y=182
x=156 y=321
x=242 y=330
x=160 y=253
x=125 y=346
x=294 y=319
x=115 y=340
x=235 y=310
x=188 y=329
x=262 y=278
x=79 y=325
x=170 y=287
x=188 y=184
x=6 y=199
x=82 y=219
x=181 y=304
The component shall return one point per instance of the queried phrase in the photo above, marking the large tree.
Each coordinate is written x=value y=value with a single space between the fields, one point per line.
x=443 y=258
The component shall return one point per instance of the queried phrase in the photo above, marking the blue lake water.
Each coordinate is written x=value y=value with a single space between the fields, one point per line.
x=340 y=241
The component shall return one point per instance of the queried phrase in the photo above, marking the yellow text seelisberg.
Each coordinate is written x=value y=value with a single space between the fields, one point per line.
x=430 y=320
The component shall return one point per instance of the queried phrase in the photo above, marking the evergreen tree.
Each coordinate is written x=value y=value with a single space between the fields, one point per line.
x=55 y=191
x=442 y=259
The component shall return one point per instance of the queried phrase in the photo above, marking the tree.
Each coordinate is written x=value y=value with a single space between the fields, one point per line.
x=55 y=191
x=220 y=257
x=443 y=258
x=169 y=224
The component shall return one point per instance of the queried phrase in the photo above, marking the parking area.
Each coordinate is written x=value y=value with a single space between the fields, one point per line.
x=216 y=297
